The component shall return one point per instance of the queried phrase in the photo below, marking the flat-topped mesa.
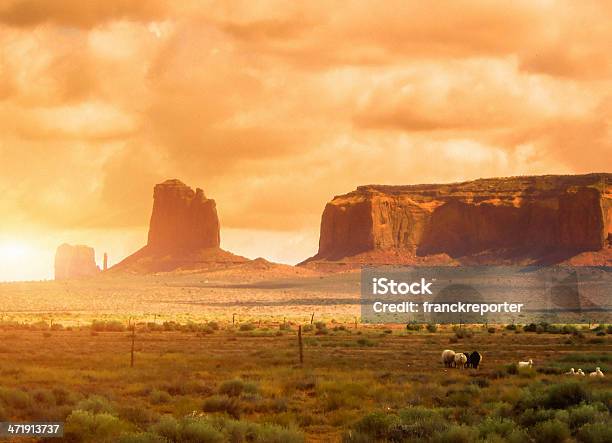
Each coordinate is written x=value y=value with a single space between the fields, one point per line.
x=512 y=220
x=75 y=262
x=182 y=219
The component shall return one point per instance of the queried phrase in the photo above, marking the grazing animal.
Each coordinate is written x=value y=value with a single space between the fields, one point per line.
x=448 y=358
x=597 y=373
x=467 y=363
x=525 y=364
x=580 y=372
x=460 y=360
x=474 y=360
x=571 y=372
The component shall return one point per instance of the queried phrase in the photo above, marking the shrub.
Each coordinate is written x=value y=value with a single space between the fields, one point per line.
x=531 y=327
x=561 y=396
x=569 y=329
x=168 y=427
x=584 y=414
x=595 y=433
x=107 y=326
x=496 y=426
x=223 y=403
x=233 y=388
x=85 y=426
x=480 y=382
x=158 y=397
x=301 y=383
x=463 y=333
x=365 y=342
x=432 y=327
x=320 y=325
x=63 y=397
x=512 y=368
x=420 y=423
x=15 y=398
x=457 y=434
x=247 y=327
x=200 y=431
x=551 y=430
x=531 y=417
x=213 y=325
x=244 y=431
x=491 y=330
x=96 y=404
x=307 y=328
x=43 y=397
x=206 y=330
x=137 y=414
x=511 y=327
x=377 y=425
x=413 y=327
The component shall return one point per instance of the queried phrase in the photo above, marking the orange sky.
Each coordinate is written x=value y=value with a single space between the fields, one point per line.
x=274 y=107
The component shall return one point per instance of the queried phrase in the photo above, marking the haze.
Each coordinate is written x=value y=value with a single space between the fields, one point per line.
x=274 y=107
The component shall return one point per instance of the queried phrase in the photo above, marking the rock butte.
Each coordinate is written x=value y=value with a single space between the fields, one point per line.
x=515 y=220
x=183 y=233
x=75 y=262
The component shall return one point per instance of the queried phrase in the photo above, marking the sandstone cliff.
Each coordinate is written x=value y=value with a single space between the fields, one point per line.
x=75 y=262
x=539 y=219
x=183 y=233
x=182 y=219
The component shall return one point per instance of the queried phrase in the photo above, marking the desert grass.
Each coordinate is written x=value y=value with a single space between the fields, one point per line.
x=217 y=381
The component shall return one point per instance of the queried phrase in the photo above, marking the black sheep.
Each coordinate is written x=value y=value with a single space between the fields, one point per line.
x=467 y=362
x=474 y=360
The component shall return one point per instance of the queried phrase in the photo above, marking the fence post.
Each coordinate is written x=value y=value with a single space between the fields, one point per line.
x=300 y=344
x=312 y=318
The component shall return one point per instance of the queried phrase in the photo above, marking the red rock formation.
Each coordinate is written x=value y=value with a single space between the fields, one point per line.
x=183 y=233
x=75 y=262
x=182 y=219
x=541 y=219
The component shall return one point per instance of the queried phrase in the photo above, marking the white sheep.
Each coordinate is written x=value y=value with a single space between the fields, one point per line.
x=597 y=373
x=580 y=372
x=525 y=364
x=448 y=358
x=571 y=372
x=460 y=360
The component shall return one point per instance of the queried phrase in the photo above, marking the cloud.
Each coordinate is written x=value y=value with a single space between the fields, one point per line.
x=76 y=13
x=274 y=107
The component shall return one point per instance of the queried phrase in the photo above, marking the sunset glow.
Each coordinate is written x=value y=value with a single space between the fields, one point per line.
x=274 y=107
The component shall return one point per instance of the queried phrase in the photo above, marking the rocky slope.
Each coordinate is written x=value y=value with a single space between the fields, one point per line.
x=535 y=219
x=183 y=233
x=75 y=262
